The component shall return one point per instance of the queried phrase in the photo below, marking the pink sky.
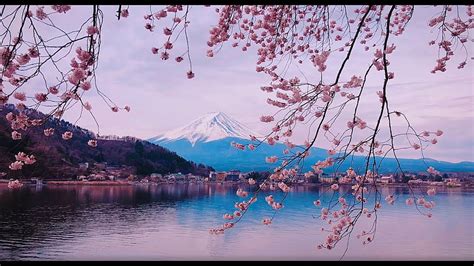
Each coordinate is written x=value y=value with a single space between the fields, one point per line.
x=162 y=98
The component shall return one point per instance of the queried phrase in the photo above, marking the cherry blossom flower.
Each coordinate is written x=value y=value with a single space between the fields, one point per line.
x=10 y=117
x=420 y=201
x=87 y=106
x=16 y=135
x=124 y=13
x=284 y=187
x=21 y=156
x=271 y=159
x=277 y=205
x=390 y=199
x=86 y=85
x=228 y=225
x=14 y=184
x=167 y=31
x=165 y=55
x=431 y=192
x=41 y=97
x=190 y=74
x=23 y=59
x=317 y=203
x=40 y=14
x=61 y=8
x=53 y=90
x=432 y=171
x=266 y=119
x=67 y=135
x=30 y=159
x=3 y=99
x=241 y=193
x=21 y=96
x=48 y=132
x=17 y=165
x=92 y=143
x=91 y=30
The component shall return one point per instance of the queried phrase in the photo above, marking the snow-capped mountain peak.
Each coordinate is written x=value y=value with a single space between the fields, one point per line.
x=212 y=126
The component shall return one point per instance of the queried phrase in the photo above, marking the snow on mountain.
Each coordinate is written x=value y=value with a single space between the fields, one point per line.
x=212 y=126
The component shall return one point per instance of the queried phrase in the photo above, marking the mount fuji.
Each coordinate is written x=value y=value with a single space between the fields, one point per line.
x=211 y=127
x=208 y=139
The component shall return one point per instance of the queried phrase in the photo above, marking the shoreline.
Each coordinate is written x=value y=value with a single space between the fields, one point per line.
x=132 y=183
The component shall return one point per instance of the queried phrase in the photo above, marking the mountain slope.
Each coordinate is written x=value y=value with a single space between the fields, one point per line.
x=219 y=153
x=213 y=126
x=57 y=158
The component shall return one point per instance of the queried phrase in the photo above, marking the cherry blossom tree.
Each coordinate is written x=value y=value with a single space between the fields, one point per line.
x=285 y=38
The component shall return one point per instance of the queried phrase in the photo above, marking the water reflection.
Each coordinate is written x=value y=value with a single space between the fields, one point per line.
x=171 y=221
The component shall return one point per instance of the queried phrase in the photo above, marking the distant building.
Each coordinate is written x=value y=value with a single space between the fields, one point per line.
x=243 y=176
x=213 y=176
x=326 y=179
x=233 y=175
x=345 y=180
x=453 y=182
x=83 y=166
x=387 y=179
x=221 y=176
x=100 y=166
x=417 y=181
x=155 y=177
x=177 y=177
x=191 y=177
x=369 y=180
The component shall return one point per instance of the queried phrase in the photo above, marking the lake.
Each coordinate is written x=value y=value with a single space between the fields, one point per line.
x=172 y=222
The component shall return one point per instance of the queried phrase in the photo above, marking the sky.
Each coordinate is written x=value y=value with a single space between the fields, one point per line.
x=162 y=98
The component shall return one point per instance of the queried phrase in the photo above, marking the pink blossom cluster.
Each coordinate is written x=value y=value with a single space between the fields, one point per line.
x=242 y=193
x=92 y=143
x=80 y=70
x=14 y=184
x=22 y=159
x=237 y=145
x=271 y=159
x=241 y=207
x=433 y=171
x=61 y=8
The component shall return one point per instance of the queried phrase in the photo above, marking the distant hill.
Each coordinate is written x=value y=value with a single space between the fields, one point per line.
x=57 y=158
x=208 y=140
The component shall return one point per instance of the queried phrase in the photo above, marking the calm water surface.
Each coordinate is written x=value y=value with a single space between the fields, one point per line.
x=154 y=222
